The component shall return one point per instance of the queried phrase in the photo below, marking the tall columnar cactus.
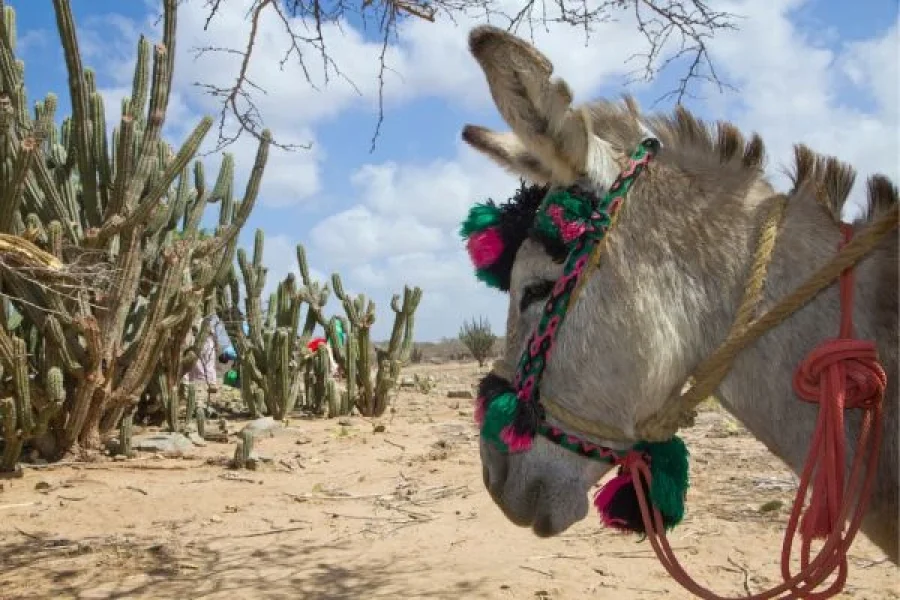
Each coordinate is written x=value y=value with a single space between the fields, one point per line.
x=321 y=388
x=120 y=213
x=373 y=396
x=272 y=352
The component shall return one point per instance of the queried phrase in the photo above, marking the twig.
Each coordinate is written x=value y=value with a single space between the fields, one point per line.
x=868 y=564
x=396 y=445
x=136 y=489
x=231 y=477
x=121 y=465
x=527 y=568
x=334 y=515
x=29 y=535
x=745 y=572
x=20 y=505
x=557 y=555
x=271 y=532
x=305 y=497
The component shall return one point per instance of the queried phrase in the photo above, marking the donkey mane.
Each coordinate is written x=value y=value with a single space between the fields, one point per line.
x=688 y=141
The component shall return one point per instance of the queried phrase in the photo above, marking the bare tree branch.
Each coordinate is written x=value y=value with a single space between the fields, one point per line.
x=676 y=29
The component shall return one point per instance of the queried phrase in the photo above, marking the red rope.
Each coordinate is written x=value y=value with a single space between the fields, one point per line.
x=840 y=374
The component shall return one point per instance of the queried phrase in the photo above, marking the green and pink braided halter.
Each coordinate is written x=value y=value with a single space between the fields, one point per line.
x=510 y=414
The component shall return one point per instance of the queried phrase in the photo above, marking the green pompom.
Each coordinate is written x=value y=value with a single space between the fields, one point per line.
x=669 y=470
x=574 y=209
x=500 y=413
x=488 y=277
x=480 y=217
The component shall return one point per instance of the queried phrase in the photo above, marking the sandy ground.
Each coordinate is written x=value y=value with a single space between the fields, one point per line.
x=345 y=512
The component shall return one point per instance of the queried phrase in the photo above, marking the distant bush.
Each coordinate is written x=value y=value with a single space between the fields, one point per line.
x=478 y=338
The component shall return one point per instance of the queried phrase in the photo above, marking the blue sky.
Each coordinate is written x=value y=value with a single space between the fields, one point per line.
x=817 y=71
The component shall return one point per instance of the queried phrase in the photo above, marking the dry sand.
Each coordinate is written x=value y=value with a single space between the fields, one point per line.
x=344 y=512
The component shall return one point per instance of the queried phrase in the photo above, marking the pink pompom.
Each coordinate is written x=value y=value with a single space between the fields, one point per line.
x=605 y=496
x=516 y=442
x=485 y=247
x=480 y=409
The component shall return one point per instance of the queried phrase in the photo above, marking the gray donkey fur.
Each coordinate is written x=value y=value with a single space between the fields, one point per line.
x=670 y=281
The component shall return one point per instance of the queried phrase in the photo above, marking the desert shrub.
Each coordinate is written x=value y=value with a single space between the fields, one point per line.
x=477 y=337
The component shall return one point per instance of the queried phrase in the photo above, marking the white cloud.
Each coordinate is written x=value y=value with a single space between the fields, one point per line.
x=791 y=87
x=438 y=193
x=358 y=235
x=873 y=67
x=280 y=258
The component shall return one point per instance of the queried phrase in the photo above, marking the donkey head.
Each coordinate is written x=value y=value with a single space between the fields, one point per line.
x=632 y=335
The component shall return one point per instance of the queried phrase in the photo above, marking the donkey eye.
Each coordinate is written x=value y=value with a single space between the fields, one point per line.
x=535 y=292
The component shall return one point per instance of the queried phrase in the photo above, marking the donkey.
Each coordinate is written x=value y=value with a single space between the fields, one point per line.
x=667 y=289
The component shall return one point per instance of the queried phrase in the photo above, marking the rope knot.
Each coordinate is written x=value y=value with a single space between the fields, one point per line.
x=850 y=364
x=632 y=458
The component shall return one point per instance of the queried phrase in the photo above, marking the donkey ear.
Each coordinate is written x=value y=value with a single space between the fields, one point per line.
x=508 y=151
x=537 y=109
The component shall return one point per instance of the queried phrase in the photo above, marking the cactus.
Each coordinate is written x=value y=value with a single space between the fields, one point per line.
x=125 y=429
x=190 y=410
x=372 y=398
x=200 y=416
x=119 y=213
x=27 y=413
x=243 y=452
x=321 y=389
x=274 y=362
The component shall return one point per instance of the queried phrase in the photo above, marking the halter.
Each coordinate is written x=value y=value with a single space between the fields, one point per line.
x=511 y=414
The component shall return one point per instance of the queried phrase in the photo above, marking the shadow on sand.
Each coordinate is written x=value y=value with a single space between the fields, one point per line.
x=265 y=565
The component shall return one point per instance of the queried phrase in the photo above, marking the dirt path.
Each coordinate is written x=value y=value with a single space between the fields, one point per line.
x=343 y=512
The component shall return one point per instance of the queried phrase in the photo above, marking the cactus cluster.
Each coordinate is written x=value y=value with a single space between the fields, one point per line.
x=105 y=268
x=373 y=396
x=273 y=355
x=275 y=365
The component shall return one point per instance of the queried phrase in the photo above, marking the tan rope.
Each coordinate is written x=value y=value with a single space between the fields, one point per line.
x=663 y=424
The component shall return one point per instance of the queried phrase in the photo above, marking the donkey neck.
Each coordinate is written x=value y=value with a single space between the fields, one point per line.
x=759 y=388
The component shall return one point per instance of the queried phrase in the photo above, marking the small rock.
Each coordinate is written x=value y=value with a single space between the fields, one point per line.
x=163 y=444
x=263 y=424
x=465 y=394
x=42 y=485
x=196 y=439
x=379 y=428
x=771 y=505
x=407 y=382
x=260 y=457
x=215 y=519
